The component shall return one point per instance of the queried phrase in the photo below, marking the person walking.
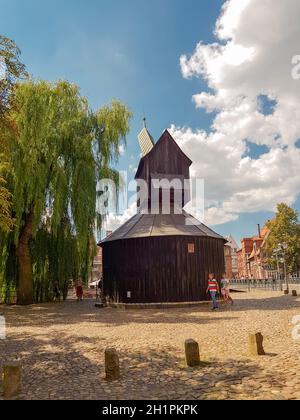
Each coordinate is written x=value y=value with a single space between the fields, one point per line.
x=213 y=289
x=79 y=291
x=99 y=289
x=225 y=290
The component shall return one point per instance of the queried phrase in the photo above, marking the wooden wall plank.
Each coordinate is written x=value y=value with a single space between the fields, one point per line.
x=161 y=269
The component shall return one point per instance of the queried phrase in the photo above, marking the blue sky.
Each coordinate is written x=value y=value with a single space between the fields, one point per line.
x=124 y=49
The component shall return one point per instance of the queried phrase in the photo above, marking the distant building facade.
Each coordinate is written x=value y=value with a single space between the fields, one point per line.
x=243 y=255
x=97 y=269
x=255 y=260
x=234 y=257
x=228 y=261
x=252 y=256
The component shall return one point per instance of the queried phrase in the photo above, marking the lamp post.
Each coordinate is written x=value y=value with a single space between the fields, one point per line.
x=276 y=254
x=283 y=247
x=249 y=276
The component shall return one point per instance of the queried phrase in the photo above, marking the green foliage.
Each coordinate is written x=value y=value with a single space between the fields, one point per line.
x=57 y=259
x=11 y=69
x=285 y=229
x=60 y=152
x=6 y=221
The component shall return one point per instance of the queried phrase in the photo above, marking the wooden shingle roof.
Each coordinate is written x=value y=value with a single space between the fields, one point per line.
x=148 y=225
x=146 y=142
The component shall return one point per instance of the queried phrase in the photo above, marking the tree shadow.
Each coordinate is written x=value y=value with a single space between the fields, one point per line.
x=64 y=314
x=72 y=313
x=277 y=303
x=63 y=367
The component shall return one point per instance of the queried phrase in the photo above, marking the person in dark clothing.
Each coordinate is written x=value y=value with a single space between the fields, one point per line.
x=99 y=289
x=56 y=292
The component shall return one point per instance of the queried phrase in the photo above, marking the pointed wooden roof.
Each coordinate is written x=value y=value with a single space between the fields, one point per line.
x=166 y=136
x=146 y=141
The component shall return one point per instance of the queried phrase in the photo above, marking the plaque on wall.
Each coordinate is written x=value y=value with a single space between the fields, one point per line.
x=191 y=248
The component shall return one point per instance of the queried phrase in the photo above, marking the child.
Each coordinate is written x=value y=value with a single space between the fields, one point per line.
x=213 y=289
x=226 y=290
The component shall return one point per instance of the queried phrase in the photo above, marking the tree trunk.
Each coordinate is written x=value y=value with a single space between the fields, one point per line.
x=25 y=278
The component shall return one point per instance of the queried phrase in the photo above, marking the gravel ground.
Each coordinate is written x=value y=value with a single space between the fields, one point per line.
x=61 y=347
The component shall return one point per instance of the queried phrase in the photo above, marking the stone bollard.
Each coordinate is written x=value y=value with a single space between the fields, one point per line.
x=12 y=380
x=112 y=365
x=192 y=353
x=256 y=345
x=295 y=293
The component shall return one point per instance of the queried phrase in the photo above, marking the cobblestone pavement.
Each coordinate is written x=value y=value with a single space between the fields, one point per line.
x=61 y=347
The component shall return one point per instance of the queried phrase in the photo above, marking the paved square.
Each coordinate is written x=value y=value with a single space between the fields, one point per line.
x=62 y=350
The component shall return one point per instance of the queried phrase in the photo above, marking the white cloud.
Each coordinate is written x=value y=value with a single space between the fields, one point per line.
x=122 y=149
x=114 y=221
x=133 y=168
x=256 y=40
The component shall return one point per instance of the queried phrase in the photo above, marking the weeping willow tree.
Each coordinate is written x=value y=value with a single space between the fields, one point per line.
x=59 y=152
x=6 y=221
x=11 y=70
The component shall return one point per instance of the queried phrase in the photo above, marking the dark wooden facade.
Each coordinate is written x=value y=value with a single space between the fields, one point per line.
x=166 y=160
x=161 y=270
x=161 y=258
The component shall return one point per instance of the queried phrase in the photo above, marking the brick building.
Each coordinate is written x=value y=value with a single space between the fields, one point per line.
x=242 y=256
x=251 y=257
